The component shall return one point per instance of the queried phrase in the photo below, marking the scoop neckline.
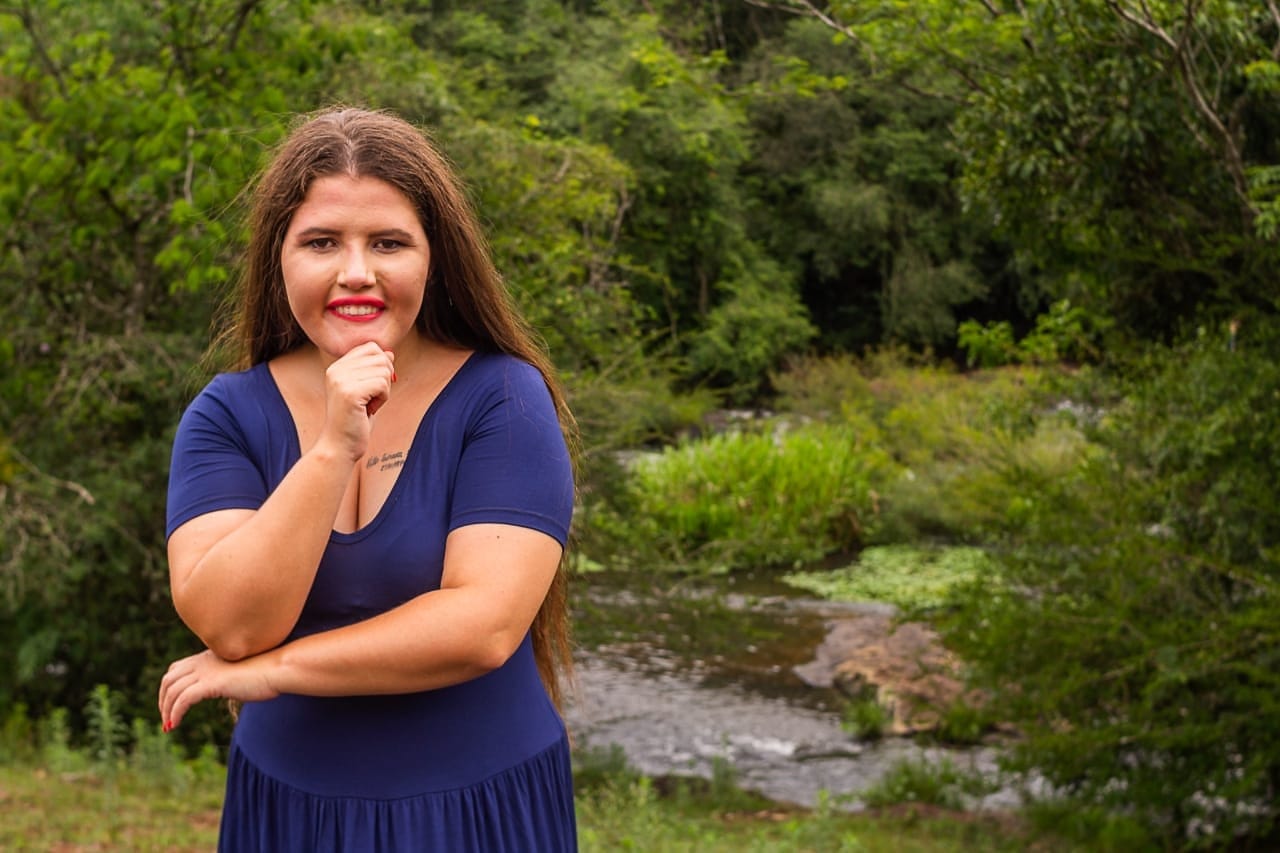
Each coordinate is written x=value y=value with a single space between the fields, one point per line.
x=295 y=448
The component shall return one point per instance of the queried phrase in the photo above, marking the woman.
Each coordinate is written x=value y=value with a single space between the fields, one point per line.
x=366 y=521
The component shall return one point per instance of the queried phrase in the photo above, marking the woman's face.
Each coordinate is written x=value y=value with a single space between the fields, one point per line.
x=355 y=263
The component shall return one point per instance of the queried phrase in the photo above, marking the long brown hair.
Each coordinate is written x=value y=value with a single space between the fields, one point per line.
x=465 y=304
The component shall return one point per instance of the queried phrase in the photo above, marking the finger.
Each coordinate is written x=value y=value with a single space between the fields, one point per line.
x=380 y=380
x=167 y=680
x=183 y=702
x=358 y=383
x=366 y=348
x=375 y=403
x=173 y=693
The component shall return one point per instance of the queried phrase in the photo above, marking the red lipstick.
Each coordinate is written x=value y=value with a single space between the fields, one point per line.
x=356 y=309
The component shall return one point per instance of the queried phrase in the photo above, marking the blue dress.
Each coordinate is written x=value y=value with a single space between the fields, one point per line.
x=479 y=766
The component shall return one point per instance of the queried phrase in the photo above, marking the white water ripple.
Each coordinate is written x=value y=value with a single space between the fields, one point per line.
x=671 y=723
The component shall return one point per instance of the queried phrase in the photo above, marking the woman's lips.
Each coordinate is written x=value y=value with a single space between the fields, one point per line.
x=356 y=310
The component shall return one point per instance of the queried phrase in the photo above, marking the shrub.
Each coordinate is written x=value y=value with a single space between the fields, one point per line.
x=83 y=579
x=865 y=718
x=917 y=780
x=954 y=436
x=1131 y=634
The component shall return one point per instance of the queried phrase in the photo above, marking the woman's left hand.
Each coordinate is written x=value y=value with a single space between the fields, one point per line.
x=207 y=676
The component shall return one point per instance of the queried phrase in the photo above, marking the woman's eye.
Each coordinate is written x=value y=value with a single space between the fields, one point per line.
x=321 y=243
x=387 y=245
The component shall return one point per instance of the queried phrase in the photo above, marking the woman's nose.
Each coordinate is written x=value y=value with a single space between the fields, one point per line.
x=355 y=272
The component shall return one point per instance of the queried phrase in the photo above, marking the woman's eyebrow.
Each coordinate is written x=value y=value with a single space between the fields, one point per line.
x=315 y=231
x=395 y=233
x=322 y=231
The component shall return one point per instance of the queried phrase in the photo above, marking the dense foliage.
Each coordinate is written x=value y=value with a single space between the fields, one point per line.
x=690 y=201
x=1132 y=629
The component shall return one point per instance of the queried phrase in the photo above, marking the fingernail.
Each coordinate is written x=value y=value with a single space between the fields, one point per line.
x=165 y=728
x=393 y=376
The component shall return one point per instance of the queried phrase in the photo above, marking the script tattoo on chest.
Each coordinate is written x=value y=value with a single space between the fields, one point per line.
x=385 y=462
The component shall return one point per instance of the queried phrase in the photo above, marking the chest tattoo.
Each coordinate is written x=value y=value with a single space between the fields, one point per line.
x=386 y=461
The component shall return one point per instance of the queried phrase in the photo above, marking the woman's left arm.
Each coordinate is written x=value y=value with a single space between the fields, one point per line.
x=495 y=579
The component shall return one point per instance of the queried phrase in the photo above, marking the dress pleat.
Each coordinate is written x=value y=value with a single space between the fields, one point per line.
x=526 y=808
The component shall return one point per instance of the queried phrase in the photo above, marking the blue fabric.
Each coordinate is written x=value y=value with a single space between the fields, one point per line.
x=517 y=810
x=481 y=765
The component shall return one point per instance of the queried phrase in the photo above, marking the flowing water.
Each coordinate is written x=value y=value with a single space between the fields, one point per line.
x=686 y=676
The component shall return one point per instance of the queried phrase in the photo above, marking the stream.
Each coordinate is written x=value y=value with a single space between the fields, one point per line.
x=688 y=675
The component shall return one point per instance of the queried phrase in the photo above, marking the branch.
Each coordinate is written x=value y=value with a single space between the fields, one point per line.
x=1148 y=25
x=1275 y=18
x=806 y=9
x=29 y=24
x=80 y=490
x=1187 y=71
x=237 y=26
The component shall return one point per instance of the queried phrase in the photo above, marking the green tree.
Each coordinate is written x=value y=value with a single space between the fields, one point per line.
x=127 y=131
x=854 y=184
x=616 y=79
x=119 y=157
x=683 y=242
x=1127 y=150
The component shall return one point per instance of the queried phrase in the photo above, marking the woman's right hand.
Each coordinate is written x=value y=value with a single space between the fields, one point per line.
x=356 y=386
x=206 y=676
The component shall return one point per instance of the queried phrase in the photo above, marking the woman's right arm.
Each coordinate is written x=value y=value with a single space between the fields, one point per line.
x=240 y=577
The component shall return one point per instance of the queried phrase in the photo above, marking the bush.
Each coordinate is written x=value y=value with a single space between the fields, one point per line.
x=955 y=436
x=865 y=718
x=1063 y=333
x=939 y=784
x=1131 y=634
x=83 y=579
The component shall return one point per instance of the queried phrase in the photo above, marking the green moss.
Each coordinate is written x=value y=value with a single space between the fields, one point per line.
x=907 y=576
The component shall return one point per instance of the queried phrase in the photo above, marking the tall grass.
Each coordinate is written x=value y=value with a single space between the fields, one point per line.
x=780 y=496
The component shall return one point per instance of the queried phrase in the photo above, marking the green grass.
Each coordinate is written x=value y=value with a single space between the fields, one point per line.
x=636 y=816
x=86 y=810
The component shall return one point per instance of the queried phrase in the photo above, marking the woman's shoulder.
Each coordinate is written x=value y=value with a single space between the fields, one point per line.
x=500 y=369
x=494 y=378
x=233 y=396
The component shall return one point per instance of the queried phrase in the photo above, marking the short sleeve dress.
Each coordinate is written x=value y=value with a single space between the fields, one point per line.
x=479 y=766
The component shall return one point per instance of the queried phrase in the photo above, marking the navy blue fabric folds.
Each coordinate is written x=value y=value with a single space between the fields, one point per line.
x=528 y=807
